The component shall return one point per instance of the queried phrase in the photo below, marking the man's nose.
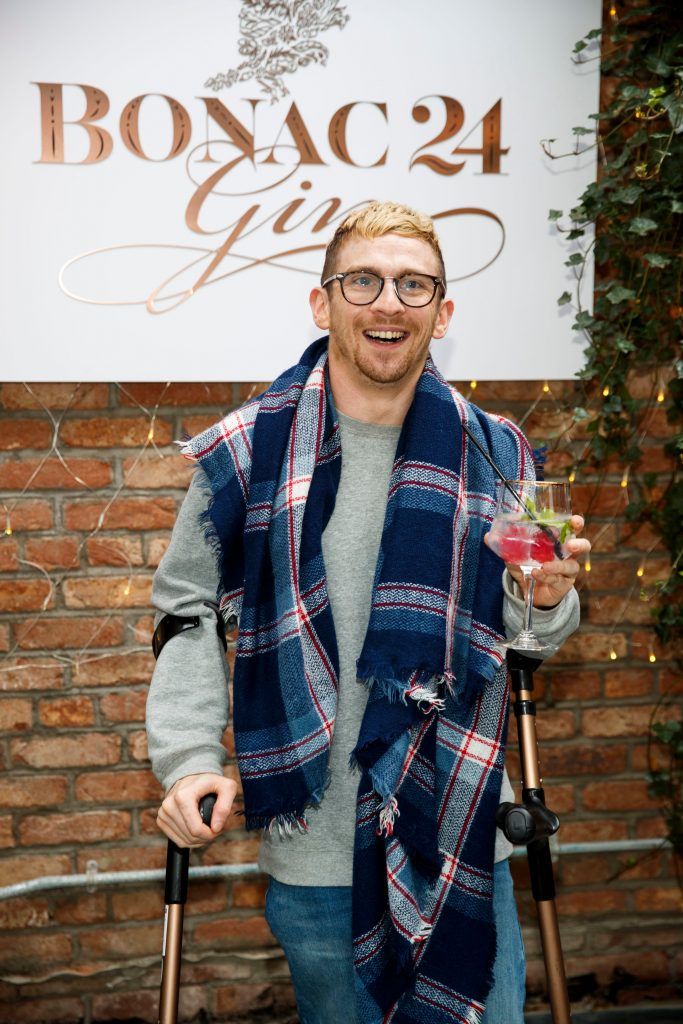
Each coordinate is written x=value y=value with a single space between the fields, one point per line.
x=388 y=301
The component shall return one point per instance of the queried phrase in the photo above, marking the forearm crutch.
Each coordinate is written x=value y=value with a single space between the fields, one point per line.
x=177 y=866
x=531 y=824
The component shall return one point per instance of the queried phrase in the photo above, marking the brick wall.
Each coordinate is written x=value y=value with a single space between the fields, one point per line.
x=89 y=520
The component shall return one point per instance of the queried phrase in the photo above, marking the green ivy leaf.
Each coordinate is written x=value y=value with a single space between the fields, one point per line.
x=655 y=259
x=578 y=47
x=629 y=194
x=593 y=34
x=578 y=130
x=619 y=294
x=575 y=259
x=564 y=298
x=642 y=225
x=554 y=214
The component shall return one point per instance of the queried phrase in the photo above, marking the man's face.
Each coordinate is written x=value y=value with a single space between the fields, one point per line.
x=354 y=351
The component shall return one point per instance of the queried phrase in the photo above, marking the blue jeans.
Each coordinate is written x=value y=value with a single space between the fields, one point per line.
x=313 y=926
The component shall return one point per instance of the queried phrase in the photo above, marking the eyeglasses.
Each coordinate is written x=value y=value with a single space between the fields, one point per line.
x=361 y=287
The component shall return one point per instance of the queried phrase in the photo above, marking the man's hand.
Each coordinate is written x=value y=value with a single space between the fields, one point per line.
x=179 y=817
x=554 y=579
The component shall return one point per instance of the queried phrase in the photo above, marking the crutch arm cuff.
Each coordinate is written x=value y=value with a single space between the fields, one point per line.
x=172 y=625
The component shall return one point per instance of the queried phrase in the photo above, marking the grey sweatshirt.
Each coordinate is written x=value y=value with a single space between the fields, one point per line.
x=187 y=707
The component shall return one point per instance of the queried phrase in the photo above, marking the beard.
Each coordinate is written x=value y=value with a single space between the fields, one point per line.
x=373 y=362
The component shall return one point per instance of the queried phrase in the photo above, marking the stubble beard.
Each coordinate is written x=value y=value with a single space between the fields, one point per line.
x=371 y=364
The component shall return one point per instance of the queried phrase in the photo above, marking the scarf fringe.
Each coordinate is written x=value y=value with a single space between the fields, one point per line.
x=286 y=822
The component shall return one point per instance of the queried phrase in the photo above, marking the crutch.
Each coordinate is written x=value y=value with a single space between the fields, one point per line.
x=177 y=865
x=531 y=824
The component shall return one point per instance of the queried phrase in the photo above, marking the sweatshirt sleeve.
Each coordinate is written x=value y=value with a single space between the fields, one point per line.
x=187 y=704
x=553 y=625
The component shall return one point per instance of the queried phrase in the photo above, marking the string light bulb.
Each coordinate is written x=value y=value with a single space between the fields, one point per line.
x=572 y=476
x=150 y=435
x=624 y=479
x=613 y=11
x=8 y=530
x=605 y=391
x=640 y=571
x=473 y=385
x=587 y=564
x=652 y=657
x=546 y=387
x=613 y=654
x=660 y=395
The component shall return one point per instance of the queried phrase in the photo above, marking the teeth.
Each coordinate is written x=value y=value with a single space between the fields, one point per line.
x=386 y=335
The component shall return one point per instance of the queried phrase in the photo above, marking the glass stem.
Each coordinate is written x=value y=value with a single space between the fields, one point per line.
x=528 y=599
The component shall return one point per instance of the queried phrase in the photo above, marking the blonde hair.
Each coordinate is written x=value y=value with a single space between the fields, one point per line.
x=377 y=219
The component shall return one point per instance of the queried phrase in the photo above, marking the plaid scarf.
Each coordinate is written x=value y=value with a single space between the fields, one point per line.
x=431 y=744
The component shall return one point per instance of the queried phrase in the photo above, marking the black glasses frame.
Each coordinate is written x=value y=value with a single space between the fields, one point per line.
x=437 y=282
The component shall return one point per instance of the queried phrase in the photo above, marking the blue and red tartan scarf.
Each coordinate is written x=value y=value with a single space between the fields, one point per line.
x=431 y=744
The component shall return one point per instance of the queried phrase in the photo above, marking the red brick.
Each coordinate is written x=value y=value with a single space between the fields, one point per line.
x=644 y=643
x=603 y=536
x=136 y=667
x=58 y=633
x=194 y=425
x=173 y=471
x=247 y=1001
x=137 y=746
x=583 y=870
x=54 y=396
x=595 y=828
x=24 y=913
x=114 y=550
x=642 y=538
x=157 y=513
x=583 y=685
x=651 y=828
x=42 y=1011
x=9 y=550
x=629 y=682
x=234 y=933
x=53 y=552
x=589 y=902
x=50 y=474
x=231 y=851
x=612 y=573
x=113 y=432
x=607 y=795
x=31 y=514
x=30 y=791
x=123 y=1006
x=644 y=966
x=670 y=683
x=30 y=674
x=90 y=748
x=610 y=608
x=555 y=725
x=130 y=786
x=594 y=500
x=20 y=595
x=18 y=950
x=590 y=647
x=75 y=827
x=157 y=549
x=23 y=867
x=146 y=905
x=4 y=638
x=659 y=899
x=15 y=714
x=548 y=423
x=249 y=893
x=142 y=940
x=108 y=592
x=582 y=759
x=143 y=630
x=128 y=706
x=124 y=858
x=24 y=434
x=6 y=834
x=627 y=720
x=178 y=394
x=74 y=908
x=637 y=866
x=66 y=711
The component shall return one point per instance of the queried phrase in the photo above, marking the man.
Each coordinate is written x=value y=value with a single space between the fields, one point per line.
x=348 y=510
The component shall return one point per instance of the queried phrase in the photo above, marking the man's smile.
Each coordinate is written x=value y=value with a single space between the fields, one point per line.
x=385 y=336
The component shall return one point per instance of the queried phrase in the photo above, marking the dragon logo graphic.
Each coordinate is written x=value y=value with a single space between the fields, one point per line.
x=277 y=38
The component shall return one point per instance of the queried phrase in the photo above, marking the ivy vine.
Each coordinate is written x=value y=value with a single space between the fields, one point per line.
x=629 y=222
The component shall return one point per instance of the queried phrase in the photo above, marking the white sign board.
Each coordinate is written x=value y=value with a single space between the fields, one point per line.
x=172 y=172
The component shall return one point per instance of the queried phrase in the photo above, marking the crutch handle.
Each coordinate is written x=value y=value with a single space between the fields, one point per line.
x=177 y=859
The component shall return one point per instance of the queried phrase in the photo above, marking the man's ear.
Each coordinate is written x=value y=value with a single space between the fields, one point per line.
x=320 y=308
x=443 y=318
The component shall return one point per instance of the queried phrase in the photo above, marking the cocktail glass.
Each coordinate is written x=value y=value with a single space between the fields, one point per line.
x=531 y=526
